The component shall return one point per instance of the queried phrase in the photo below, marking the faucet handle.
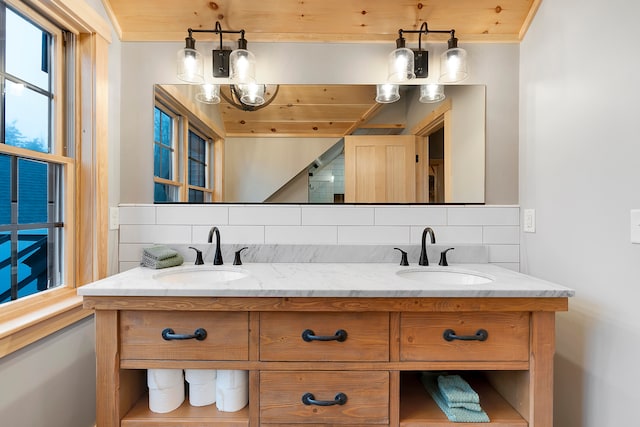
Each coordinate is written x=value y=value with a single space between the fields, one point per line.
x=443 y=257
x=199 y=260
x=236 y=259
x=403 y=259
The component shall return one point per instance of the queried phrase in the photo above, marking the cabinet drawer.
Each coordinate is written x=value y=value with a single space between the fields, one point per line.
x=366 y=336
x=422 y=337
x=227 y=335
x=366 y=397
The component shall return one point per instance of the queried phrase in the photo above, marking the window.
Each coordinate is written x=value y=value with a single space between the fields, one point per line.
x=31 y=218
x=53 y=192
x=199 y=153
x=186 y=168
x=166 y=187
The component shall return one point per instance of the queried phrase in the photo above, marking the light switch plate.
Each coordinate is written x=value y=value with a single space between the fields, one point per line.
x=635 y=226
x=114 y=218
x=529 y=221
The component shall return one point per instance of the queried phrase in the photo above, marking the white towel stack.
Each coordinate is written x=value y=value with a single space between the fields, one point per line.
x=166 y=389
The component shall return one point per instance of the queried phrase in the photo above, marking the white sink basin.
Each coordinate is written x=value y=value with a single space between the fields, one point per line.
x=445 y=276
x=203 y=275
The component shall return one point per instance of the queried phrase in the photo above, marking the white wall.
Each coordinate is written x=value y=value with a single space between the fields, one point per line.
x=255 y=168
x=51 y=382
x=146 y=63
x=580 y=170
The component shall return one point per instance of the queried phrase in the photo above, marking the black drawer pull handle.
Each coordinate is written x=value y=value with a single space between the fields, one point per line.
x=308 y=335
x=199 y=334
x=309 y=399
x=450 y=335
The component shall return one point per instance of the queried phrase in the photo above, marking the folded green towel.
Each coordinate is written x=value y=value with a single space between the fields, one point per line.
x=455 y=414
x=159 y=252
x=458 y=393
x=164 y=263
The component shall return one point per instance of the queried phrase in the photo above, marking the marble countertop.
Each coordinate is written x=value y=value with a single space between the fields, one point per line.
x=322 y=280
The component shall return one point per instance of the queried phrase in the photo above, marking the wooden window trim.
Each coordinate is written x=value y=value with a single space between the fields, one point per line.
x=32 y=318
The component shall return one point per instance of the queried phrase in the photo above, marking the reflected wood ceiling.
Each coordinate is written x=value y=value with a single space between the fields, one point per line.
x=322 y=110
x=305 y=111
x=322 y=20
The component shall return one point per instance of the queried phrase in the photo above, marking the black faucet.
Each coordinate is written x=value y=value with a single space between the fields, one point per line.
x=423 y=252
x=217 y=259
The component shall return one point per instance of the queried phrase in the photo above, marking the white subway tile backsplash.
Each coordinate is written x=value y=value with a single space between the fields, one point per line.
x=450 y=235
x=373 y=235
x=155 y=234
x=504 y=253
x=193 y=214
x=264 y=215
x=137 y=214
x=241 y=234
x=510 y=265
x=339 y=215
x=308 y=234
x=495 y=228
x=483 y=216
x=128 y=265
x=411 y=215
x=131 y=251
x=508 y=235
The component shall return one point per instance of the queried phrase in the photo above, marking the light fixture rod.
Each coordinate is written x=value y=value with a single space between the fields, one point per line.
x=424 y=29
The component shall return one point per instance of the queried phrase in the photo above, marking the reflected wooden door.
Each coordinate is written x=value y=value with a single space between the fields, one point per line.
x=380 y=168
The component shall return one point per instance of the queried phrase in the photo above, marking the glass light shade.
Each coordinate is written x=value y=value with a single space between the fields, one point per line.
x=252 y=94
x=453 y=66
x=387 y=93
x=401 y=65
x=209 y=94
x=242 y=67
x=190 y=66
x=431 y=93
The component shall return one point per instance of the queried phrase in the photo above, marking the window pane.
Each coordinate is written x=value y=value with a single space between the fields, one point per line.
x=165 y=164
x=5 y=190
x=196 y=196
x=156 y=124
x=196 y=174
x=32 y=191
x=165 y=193
x=27 y=51
x=166 y=130
x=32 y=262
x=5 y=267
x=27 y=118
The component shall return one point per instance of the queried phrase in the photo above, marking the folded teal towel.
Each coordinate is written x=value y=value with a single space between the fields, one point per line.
x=159 y=252
x=458 y=393
x=455 y=414
x=173 y=261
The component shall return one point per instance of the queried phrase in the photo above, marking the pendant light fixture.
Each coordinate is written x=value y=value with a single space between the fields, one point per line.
x=406 y=64
x=238 y=65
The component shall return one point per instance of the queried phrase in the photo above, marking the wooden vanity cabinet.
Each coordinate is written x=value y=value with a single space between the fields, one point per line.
x=364 y=354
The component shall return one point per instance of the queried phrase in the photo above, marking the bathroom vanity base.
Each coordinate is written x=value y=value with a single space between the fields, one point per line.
x=386 y=343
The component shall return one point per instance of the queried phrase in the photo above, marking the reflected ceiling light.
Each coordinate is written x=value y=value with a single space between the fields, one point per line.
x=209 y=94
x=406 y=64
x=249 y=97
x=387 y=93
x=431 y=93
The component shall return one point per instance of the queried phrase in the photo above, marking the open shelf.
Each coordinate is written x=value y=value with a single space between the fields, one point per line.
x=418 y=409
x=185 y=415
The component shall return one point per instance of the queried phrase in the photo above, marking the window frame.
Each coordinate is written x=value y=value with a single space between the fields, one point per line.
x=85 y=203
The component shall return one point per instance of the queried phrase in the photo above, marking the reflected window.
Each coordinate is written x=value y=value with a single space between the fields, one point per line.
x=166 y=188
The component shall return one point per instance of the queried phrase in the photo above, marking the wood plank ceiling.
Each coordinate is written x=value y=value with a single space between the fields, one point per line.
x=300 y=112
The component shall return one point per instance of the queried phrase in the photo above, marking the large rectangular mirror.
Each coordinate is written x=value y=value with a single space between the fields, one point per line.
x=336 y=144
